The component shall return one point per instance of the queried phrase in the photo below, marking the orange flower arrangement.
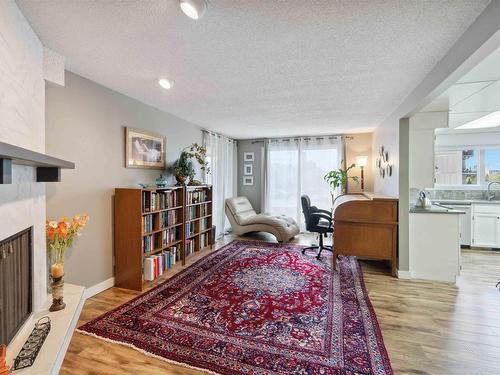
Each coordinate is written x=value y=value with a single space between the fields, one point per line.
x=60 y=237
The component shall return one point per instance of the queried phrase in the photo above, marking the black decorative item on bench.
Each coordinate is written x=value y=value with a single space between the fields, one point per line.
x=31 y=347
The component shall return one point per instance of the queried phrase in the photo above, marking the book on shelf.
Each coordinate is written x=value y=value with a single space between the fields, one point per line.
x=204 y=224
x=204 y=210
x=190 y=229
x=148 y=243
x=168 y=236
x=203 y=240
x=160 y=200
x=197 y=196
x=147 y=223
x=189 y=247
x=168 y=218
x=191 y=213
x=156 y=265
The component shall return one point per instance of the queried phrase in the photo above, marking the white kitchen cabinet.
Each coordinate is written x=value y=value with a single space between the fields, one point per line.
x=434 y=248
x=486 y=225
x=465 y=223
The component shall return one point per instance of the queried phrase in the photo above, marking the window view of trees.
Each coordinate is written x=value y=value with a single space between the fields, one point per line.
x=467 y=167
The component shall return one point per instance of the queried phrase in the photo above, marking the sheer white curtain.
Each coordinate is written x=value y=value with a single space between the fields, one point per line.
x=282 y=177
x=297 y=166
x=221 y=157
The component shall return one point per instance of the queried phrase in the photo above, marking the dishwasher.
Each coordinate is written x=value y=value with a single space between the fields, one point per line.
x=465 y=223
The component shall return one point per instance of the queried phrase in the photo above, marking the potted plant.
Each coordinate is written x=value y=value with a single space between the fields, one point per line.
x=338 y=178
x=60 y=237
x=184 y=168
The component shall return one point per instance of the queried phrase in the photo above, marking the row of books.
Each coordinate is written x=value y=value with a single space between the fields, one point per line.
x=152 y=241
x=156 y=265
x=168 y=236
x=204 y=240
x=168 y=218
x=204 y=210
x=189 y=247
x=197 y=196
x=191 y=213
x=159 y=200
x=148 y=223
x=204 y=224
x=190 y=228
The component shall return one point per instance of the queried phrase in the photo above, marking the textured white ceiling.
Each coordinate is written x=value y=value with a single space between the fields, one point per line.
x=255 y=68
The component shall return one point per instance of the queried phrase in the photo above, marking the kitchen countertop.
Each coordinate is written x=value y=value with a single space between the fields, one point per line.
x=435 y=209
x=465 y=201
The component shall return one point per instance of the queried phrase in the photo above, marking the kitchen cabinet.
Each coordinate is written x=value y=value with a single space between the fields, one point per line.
x=434 y=245
x=465 y=223
x=486 y=225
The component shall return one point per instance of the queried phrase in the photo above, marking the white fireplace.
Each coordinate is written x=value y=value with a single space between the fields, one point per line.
x=22 y=123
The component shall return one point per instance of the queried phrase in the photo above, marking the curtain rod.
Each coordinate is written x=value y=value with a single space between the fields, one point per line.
x=302 y=137
x=217 y=135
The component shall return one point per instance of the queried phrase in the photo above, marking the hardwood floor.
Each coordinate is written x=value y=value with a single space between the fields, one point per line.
x=428 y=327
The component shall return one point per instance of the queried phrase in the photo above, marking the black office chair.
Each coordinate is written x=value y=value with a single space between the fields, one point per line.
x=317 y=221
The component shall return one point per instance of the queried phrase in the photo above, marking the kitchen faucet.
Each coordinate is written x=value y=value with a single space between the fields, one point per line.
x=490 y=194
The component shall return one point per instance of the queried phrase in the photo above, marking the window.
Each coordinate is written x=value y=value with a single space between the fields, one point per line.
x=491 y=165
x=295 y=167
x=473 y=167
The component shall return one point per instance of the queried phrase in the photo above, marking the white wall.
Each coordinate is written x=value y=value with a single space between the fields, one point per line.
x=22 y=90
x=360 y=145
x=421 y=152
x=387 y=135
x=85 y=124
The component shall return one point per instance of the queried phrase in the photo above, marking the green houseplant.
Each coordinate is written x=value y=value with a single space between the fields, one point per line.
x=184 y=167
x=338 y=178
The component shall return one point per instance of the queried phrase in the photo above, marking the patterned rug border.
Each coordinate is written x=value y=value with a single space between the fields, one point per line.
x=377 y=329
x=359 y=271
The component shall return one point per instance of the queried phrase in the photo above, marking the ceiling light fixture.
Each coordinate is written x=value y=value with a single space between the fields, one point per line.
x=193 y=8
x=491 y=120
x=165 y=83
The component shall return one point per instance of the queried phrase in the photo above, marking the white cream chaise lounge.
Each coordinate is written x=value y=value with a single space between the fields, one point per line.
x=244 y=219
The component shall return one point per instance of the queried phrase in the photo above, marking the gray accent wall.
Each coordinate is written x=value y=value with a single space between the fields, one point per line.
x=253 y=193
x=85 y=124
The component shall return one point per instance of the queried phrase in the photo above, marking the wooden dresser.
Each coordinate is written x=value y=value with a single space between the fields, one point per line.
x=366 y=225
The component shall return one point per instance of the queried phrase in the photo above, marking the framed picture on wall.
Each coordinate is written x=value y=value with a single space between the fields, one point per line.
x=248 y=156
x=248 y=169
x=248 y=180
x=144 y=149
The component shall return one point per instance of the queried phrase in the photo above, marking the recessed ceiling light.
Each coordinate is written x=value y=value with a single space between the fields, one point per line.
x=193 y=8
x=165 y=83
x=489 y=121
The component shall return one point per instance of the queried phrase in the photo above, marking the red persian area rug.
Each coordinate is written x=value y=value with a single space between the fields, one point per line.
x=255 y=308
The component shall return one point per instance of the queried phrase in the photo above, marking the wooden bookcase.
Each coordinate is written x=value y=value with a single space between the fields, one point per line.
x=198 y=214
x=134 y=240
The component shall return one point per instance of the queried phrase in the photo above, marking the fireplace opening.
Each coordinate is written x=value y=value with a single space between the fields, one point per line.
x=16 y=292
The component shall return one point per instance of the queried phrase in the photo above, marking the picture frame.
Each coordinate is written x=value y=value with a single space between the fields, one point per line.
x=248 y=169
x=248 y=180
x=144 y=149
x=248 y=156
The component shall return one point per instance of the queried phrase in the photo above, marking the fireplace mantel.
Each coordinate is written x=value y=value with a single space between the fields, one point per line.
x=48 y=168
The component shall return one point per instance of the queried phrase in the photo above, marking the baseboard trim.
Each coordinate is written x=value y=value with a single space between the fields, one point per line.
x=404 y=274
x=98 y=288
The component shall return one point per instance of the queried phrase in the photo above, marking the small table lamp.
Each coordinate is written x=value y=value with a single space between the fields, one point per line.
x=361 y=161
